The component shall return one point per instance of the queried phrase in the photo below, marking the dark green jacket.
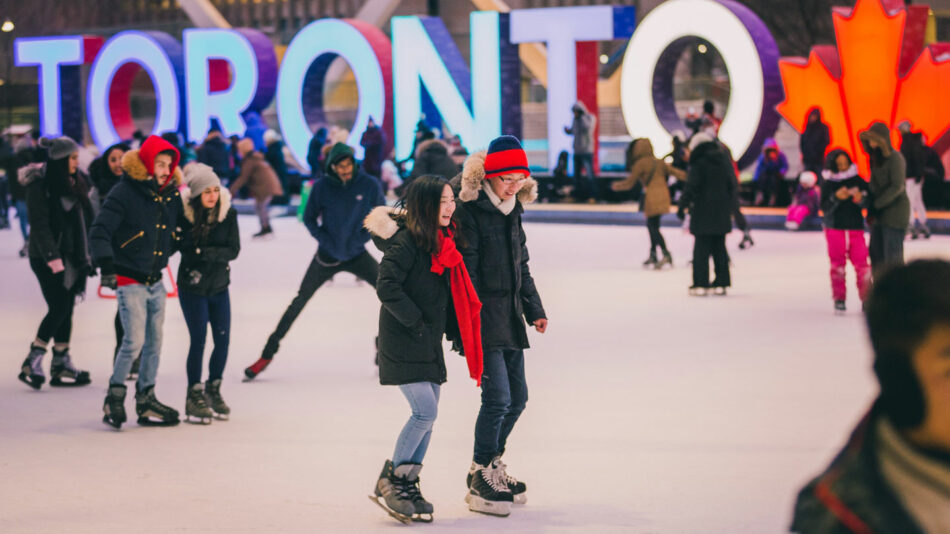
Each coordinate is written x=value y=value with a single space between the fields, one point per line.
x=889 y=205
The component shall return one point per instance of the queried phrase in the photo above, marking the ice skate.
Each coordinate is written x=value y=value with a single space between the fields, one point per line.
x=519 y=490
x=265 y=231
x=196 y=406
x=31 y=371
x=218 y=406
x=925 y=231
x=698 y=291
x=719 y=291
x=667 y=260
x=391 y=495
x=134 y=371
x=913 y=232
x=113 y=408
x=840 y=308
x=488 y=492
x=650 y=262
x=147 y=407
x=64 y=374
x=423 y=508
x=747 y=241
x=255 y=369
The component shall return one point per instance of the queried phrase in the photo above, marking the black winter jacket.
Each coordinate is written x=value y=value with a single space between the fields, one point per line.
x=136 y=230
x=204 y=269
x=215 y=153
x=710 y=193
x=416 y=307
x=496 y=256
x=842 y=214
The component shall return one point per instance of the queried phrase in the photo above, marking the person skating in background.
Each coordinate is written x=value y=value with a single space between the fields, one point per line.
x=24 y=153
x=260 y=179
x=60 y=214
x=651 y=173
x=888 y=206
x=315 y=152
x=215 y=152
x=893 y=475
x=334 y=216
x=770 y=172
x=679 y=159
x=915 y=156
x=710 y=122
x=373 y=142
x=425 y=291
x=432 y=157
x=274 y=154
x=814 y=142
x=805 y=201
x=131 y=241
x=209 y=242
x=493 y=186
x=710 y=196
x=843 y=195
x=583 y=129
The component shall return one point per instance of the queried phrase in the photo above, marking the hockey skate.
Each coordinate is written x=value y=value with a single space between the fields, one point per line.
x=650 y=262
x=113 y=408
x=488 y=492
x=64 y=374
x=213 y=394
x=147 y=407
x=519 y=490
x=390 y=494
x=196 y=406
x=840 y=308
x=31 y=371
x=719 y=291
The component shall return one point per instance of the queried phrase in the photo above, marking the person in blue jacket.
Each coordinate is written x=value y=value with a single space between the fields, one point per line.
x=334 y=215
x=770 y=172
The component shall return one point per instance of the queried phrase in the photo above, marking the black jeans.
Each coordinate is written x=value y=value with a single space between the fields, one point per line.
x=656 y=238
x=363 y=266
x=504 y=396
x=58 y=322
x=585 y=163
x=886 y=248
x=704 y=247
x=199 y=312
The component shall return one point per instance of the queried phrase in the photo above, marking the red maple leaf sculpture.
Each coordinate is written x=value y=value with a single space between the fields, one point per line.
x=880 y=71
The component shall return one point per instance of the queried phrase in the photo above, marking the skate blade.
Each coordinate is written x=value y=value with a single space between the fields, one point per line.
x=422 y=518
x=198 y=420
x=76 y=382
x=482 y=506
x=114 y=424
x=35 y=382
x=222 y=416
x=145 y=421
x=521 y=498
x=404 y=519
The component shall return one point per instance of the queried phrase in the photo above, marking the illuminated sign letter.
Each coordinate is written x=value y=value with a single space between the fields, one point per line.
x=246 y=62
x=477 y=107
x=49 y=54
x=750 y=55
x=368 y=53
x=110 y=84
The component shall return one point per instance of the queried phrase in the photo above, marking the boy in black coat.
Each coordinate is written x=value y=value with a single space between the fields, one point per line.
x=131 y=240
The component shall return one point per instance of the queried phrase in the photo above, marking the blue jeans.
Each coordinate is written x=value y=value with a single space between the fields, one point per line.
x=504 y=395
x=23 y=218
x=142 y=311
x=413 y=441
x=199 y=311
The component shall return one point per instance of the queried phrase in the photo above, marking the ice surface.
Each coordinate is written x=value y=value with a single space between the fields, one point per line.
x=650 y=411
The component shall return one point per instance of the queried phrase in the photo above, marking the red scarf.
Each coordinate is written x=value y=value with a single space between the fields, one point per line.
x=465 y=300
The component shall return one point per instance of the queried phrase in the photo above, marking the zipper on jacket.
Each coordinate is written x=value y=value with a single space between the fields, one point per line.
x=133 y=238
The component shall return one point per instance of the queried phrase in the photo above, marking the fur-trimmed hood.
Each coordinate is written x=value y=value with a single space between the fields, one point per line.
x=473 y=174
x=382 y=223
x=28 y=174
x=133 y=166
x=224 y=204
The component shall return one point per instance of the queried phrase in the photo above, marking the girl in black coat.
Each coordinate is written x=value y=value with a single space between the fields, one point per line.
x=209 y=242
x=421 y=277
x=60 y=214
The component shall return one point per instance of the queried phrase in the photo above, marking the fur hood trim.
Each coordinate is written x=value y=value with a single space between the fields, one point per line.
x=133 y=165
x=383 y=221
x=846 y=174
x=28 y=174
x=473 y=174
x=224 y=204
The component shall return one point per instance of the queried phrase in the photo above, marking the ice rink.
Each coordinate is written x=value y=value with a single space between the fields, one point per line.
x=650 y=411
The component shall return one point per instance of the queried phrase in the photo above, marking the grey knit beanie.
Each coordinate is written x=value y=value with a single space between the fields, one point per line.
x=60 y=147
x=199 y=177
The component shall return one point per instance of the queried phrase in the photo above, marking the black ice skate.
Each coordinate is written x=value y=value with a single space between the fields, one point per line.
x=840 y=308
x=519 y=490
x=423 y=508
x=151 y=412
x=218 y=406
x=650 y=262
x=31 y=372
x=196 y=406
x=265 y=231
x=667 y=260
x=64 y=374
x=488 y=492
x=747 y=241
x=113 y=408
x=134 y=371
x=392 y=496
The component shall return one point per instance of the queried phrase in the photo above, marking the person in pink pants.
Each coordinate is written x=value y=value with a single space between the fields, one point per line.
x=805 y=203
x=843 y=195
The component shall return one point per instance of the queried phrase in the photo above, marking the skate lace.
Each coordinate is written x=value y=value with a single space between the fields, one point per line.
x=67 y=362
x=496 y=478
x=413 y=491
x=199 y=400
x=503 y=470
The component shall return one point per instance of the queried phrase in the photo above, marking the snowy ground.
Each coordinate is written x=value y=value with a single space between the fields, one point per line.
x=650 y=411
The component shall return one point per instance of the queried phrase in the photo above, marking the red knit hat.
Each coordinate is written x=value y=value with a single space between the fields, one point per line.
x=505 y=156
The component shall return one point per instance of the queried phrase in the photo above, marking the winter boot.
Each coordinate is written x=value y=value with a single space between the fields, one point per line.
x=196 y=406
x=840 y=308
x=747 y=241
x=147 y=407
x=134 y=371
x=218 y=406
x=391 y=494
x=667 y=260
x=488 y=492
x=31 y=371
x=519 y=490
x=113 y=409
x=423 y=507
x=63 y=373
x=650 y=262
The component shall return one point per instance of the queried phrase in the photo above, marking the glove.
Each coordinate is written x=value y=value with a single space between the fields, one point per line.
x=108 y=280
